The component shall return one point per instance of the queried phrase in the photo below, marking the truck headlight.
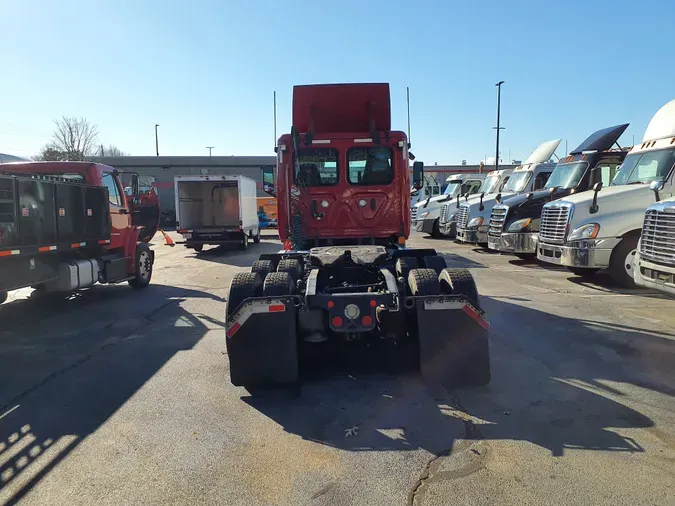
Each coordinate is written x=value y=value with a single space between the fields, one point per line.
x=476 y=222
x=452 y=217
x=423 y=215
x=589 y=231
x=520 y=225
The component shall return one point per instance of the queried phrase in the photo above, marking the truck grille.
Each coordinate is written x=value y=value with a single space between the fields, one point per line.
x=497 y=219
x=462 y=216
x=413 y=214
x=658 y=237
x=553 y=225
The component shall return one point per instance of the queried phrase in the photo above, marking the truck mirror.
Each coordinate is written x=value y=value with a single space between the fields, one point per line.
x=268 y=180
x=596 y=175
x=135 y=187
x=656 y=187
x=594 y=205
x=418 y=174
x=597 y=186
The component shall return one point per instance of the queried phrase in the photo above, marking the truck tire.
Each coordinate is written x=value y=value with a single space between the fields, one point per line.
x=583 y=272
x=256 y=237
x=404 y=265
x=244 y=286
x=423 y=282
x=278 y=284
x=143 y=272
x=291 y=266
x=244 y=242
x=3 y=296
x=436 y=263
x=621 y=261
x=459 y=282
x=263 y=267
x=198 y=248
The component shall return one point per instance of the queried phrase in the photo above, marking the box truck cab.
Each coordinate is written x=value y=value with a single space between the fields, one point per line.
x=654 y=264
x=601 y=228
x=514 y=224
x=425 y=215
x=492 y=184
x=473 y=218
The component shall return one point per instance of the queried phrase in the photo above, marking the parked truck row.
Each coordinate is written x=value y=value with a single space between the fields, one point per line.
x=600 y=207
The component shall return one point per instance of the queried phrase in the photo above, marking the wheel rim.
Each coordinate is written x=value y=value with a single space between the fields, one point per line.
x=245 y=239
x=144 y=266
x=628 y=262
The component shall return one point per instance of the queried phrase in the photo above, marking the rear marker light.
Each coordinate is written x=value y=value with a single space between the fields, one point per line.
x=373 y=303
x=330 y=304
x=233 y=329
x=277 y=308
x=475 y=316
x=367 y=321
x=337 y=321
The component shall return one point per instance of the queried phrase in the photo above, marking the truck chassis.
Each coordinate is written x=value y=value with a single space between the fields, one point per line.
x=295 y=302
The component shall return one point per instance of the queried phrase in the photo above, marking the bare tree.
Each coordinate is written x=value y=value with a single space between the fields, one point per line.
x=75 y=137
x=111 y=150
x=50 y=154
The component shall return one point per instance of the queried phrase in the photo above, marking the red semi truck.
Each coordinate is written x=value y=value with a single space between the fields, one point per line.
x=68 y=225
x=345 y=277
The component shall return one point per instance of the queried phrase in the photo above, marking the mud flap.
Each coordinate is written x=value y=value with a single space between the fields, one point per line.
x=262 y=344
x=453 y=341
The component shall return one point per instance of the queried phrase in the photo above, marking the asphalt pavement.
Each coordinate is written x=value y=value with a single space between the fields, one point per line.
x=121 y=396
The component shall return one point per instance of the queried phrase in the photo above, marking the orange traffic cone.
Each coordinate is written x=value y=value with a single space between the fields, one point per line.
x=169 y=241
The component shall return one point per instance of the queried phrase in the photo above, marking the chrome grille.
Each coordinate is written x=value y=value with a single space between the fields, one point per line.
x=658 y=237
x=413 y=214
x=462 y=216
x=497 y=219
x=444 y=214
x=553 y=226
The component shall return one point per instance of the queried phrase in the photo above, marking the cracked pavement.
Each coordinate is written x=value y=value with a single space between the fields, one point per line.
x=122 y=397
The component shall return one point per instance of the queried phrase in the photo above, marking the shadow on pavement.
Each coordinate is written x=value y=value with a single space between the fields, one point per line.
x=231 y=255
x=60 y=382
x=548 y=388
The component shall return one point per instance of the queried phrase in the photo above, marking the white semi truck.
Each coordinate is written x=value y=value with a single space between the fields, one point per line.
x=654 y=264
x=600 y=229
x=492 y=184
x=216 y=210
x=425 y=214
x=473 y=217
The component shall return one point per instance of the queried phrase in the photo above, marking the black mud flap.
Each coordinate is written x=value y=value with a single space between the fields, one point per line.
x=453 y=341
x=261 y=342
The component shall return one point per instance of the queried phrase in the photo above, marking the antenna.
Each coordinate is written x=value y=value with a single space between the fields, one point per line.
x=275 y=121
x=407 y=93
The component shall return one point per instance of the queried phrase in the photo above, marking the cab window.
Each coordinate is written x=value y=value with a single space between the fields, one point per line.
x=506 y=180
x=608 y=171
x=540 y=180
x=315 y=167
x=370 y=166
x=471 y=187
x=113 y=192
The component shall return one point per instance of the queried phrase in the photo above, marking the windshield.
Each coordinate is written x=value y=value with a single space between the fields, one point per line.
x=518 y=182
x=490 y=184
x=567 y=175
x=645 y=167
x=453 y=188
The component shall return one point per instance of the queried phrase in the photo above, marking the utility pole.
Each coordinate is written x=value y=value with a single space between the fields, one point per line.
x=210 y=148
x=156 y=141
x=498 y=127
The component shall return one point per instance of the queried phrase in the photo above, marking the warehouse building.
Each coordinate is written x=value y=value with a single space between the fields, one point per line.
x=159 y=171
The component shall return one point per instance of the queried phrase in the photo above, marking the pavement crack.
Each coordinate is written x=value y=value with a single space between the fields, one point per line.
x=60 y=372
x=471 y=431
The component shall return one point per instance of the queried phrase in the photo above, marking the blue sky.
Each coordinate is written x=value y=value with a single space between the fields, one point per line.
x=205 y=71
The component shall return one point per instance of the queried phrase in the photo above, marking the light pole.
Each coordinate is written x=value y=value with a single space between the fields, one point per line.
x=156 y=141
x=210 y=148
x=499 y=105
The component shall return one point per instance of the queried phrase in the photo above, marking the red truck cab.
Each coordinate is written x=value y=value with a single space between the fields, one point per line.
x=342 y=176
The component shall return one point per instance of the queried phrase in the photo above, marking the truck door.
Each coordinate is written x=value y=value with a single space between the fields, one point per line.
x=119 y=214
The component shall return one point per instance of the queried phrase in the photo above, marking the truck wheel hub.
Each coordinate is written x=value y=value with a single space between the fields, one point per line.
x=628 y=263
x=144 y=264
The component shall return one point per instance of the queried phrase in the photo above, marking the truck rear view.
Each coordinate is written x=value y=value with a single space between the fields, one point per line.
x=345 y=281
x=216 y=210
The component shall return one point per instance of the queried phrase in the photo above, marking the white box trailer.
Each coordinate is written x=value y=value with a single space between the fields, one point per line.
x=216 y=210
